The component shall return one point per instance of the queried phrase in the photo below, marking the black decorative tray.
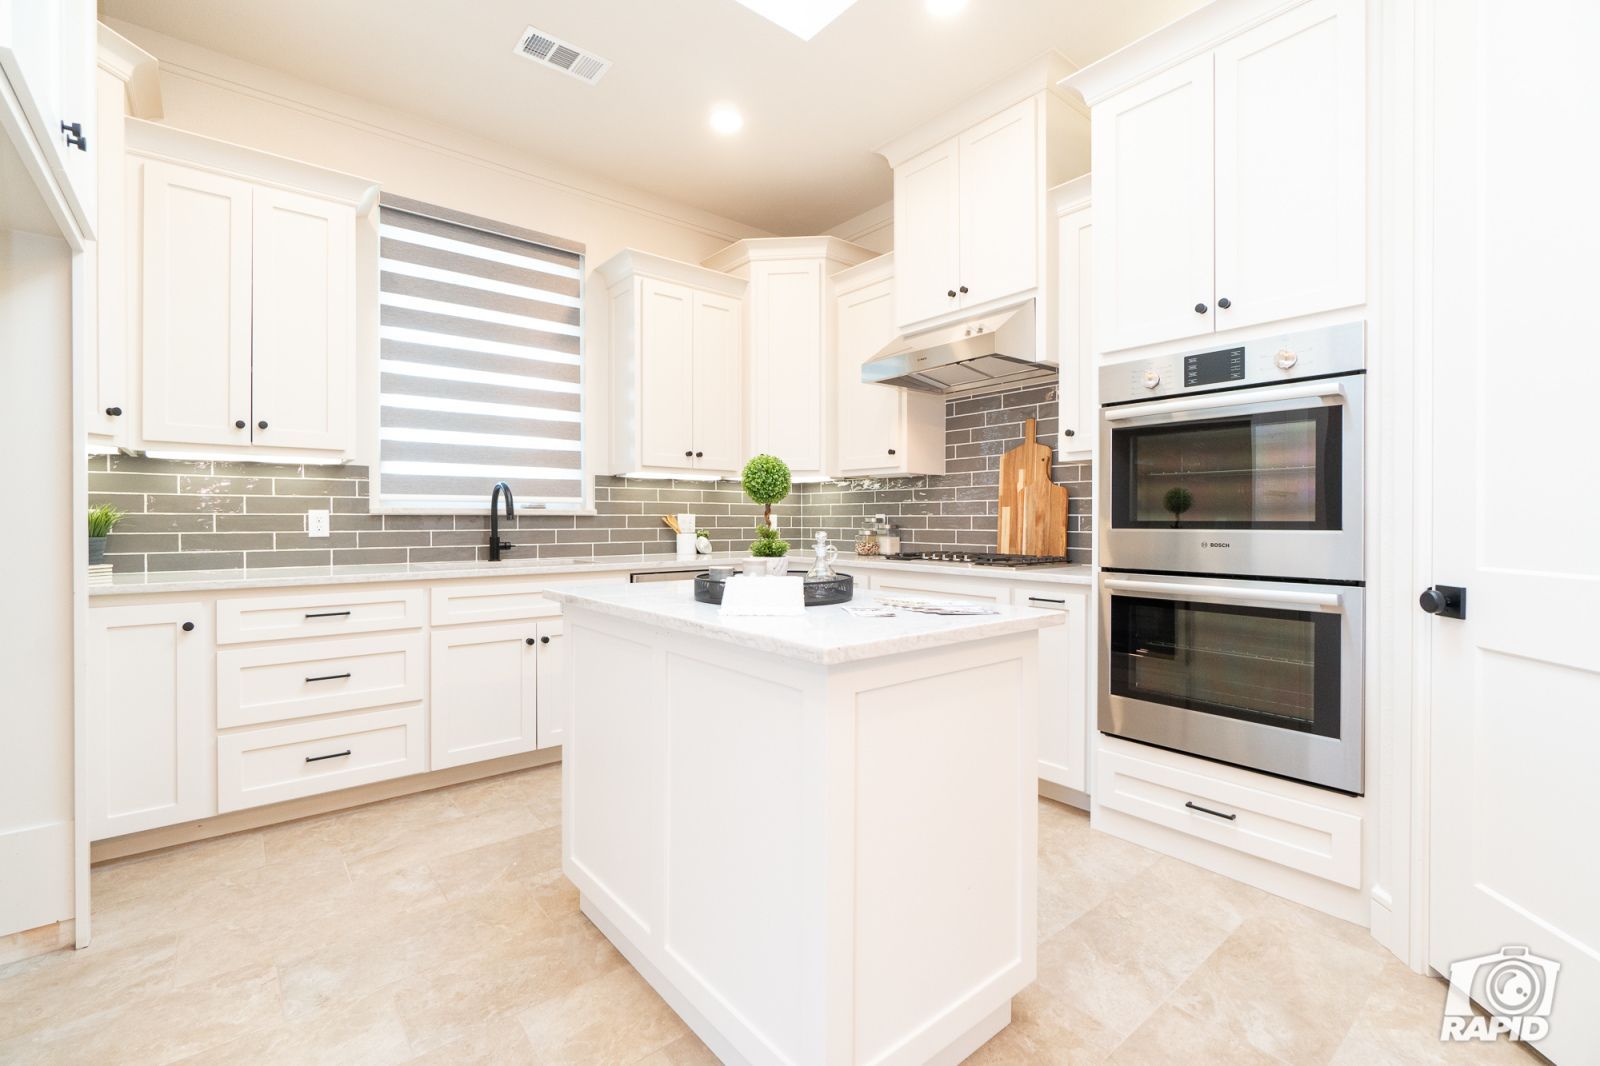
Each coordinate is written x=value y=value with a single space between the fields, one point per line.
x=818 y=591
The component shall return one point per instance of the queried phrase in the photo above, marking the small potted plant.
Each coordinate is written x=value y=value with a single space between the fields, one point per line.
x=101 y=521
x=1177 y=500
x=767 y=481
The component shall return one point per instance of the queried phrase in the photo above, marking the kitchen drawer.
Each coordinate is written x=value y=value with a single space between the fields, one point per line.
x=1302 y=835
x=317 y=614
x=493 y=601
x=275 y=682
x=257 y=766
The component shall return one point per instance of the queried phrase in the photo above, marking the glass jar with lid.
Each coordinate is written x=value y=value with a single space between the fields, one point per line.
x=888 y=538
x=866 y=542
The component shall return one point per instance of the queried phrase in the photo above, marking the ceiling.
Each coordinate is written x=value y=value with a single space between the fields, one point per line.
x=814 y=111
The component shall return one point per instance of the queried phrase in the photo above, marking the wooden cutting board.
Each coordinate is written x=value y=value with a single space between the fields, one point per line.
x=1033 y=508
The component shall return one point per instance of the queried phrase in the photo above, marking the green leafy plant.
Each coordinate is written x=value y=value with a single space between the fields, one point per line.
x=1177 y=500
x=768 y=545
x=103 y=518
x=766 y=481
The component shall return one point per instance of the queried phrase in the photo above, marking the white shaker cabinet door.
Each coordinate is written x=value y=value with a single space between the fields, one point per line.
x=666 y=392
x=197 y=297
x=150 y=721
x=555 y=686
x=301 y=324
x=1291 y=166
x=927 y=234
x=786 y=369
x=1063 y=683
x=1152 y=191
x=869 y=417
x=999 y=206
x=1079 y=392
x=484 y=697
x=718 y=384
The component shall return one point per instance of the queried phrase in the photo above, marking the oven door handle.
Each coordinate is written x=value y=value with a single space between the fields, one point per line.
x=1325 y=601
x=1311 y=391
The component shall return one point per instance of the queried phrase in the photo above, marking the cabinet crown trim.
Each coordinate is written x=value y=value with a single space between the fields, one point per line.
x=1198 y=32
x=861 y=275
x=1043 y=74
x=155 y=140
x=1070 y=195
x=756 y=249
x=137 y=69
x=631 y=262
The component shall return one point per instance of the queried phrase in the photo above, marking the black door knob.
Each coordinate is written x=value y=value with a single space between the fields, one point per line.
x=1224 y=303
x=963 y=290
x=114 y=412
x=951 y=294
x=891 y=451
x=1200 y=309
x=528 y=641
x=261 y=424
x=188 y=627
x=544 y=640
x=1445 y=601
x=239 y=424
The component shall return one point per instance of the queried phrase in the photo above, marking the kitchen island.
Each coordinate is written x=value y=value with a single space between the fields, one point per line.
x=815 y=837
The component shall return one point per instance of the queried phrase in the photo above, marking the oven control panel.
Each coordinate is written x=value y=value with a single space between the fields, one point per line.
x=1337 y=349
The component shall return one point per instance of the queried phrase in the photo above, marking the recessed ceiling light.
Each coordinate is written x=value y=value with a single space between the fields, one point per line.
x=943 y=9
x=726 y=120
x=803 y=18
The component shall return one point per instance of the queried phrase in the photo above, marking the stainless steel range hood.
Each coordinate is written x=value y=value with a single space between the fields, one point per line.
x=995 y=351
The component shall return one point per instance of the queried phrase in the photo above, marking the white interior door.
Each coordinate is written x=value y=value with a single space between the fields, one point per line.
x=927 y=234
x=666 y=372
x=1000 y=206
x=1516 y=683
x=196 y=307
x=1153 y=176
x=1291 y=165
x=718 y=384
x=301 y=325
x=869 y=416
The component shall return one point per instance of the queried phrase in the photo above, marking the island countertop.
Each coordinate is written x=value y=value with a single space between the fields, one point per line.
x=824 y=636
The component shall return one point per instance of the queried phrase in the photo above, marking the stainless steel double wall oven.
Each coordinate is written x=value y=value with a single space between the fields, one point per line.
x=1231 y=549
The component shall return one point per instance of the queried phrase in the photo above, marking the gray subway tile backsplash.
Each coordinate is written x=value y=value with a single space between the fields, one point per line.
x=203 y=515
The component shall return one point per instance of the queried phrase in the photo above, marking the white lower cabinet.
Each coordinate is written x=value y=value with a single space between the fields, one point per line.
x=149 y=717
x=484 y=697
x=555 y=685
x=284 y=762
x=1064 y=656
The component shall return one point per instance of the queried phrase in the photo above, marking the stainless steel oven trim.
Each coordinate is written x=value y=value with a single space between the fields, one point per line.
x=1335 y=555
x=1331 y=762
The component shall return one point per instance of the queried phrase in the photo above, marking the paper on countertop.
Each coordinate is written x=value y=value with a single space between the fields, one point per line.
x=763 y=597
x=922 y=606
x=868 y=611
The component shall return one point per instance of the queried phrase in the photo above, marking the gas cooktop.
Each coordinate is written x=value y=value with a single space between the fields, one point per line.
x=981 y=558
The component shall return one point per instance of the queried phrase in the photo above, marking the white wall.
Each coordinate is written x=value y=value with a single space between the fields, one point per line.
x=872 y=229
x=36 y=544
x=218 y=96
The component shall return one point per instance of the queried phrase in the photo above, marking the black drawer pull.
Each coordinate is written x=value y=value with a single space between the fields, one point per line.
x=329 y=614
x=1193 y=806
x=327 y=677
x=335 y=755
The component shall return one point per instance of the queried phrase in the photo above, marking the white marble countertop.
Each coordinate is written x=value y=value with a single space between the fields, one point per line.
x=825 y=636
x=286 y=577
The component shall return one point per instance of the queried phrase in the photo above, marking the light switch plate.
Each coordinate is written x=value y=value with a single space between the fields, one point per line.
x=316 y=523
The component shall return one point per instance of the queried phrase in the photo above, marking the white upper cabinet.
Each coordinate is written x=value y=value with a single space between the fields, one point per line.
x=1230 y=186
x=1290 y=185
x=882 y=430
x=788 y=359
x=1000 y=206
x=241 y=300
x=1074 y=321
x=676 y=366
x=47 y=56
x=927 y=234
x=1153 y=174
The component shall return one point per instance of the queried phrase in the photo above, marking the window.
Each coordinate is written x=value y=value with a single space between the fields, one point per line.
x=480 y=363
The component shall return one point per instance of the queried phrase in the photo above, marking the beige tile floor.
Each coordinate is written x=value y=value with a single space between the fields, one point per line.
x=438 y=929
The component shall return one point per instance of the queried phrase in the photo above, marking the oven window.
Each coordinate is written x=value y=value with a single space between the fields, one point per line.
x=1269 y=471
x=1276 y=667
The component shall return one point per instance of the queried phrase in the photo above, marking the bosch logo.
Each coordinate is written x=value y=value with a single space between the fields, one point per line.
x=1215 y=544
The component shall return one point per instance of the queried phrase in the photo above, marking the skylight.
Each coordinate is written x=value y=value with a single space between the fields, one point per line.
x=803 y=18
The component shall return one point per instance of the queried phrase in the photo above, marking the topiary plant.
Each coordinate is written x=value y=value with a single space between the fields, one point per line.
x=1177 y=500
x=766 y=481
x=768 y=545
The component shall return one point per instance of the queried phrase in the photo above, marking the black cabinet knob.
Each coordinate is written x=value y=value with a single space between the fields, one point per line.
x=261 y=424
x=1444 y=601
x=1224 y=303
x=963 y=290
x=1069 y=433
x=891 y=451
x=114 y=412
x=188 y=627
x=528 y=641
x=951 y=294
x=688 y=454
x=1200 y=309
x=239 y=424
x=544 y=640
x=699 y=455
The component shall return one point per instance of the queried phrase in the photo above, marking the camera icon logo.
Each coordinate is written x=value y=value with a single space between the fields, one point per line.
x=1514 y=985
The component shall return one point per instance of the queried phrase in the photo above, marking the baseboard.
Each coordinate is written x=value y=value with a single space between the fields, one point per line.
x=38 y=941
x=1062 y=794
x=171 y=836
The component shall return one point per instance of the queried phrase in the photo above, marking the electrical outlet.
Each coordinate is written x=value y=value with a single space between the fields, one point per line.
x=316 y=523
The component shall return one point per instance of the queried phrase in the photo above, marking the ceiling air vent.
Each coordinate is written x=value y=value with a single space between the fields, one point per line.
x=553 y=52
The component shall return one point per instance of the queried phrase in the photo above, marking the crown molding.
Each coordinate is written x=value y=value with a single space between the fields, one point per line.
x=1070 y=195
x=633 y=262
x=137 y=69
x=833 y=250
